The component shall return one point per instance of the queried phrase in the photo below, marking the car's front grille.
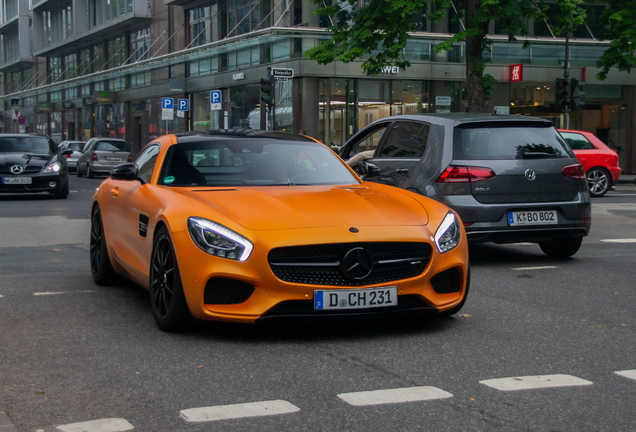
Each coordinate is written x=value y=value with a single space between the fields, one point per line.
x=27 y=170
x=327 y=264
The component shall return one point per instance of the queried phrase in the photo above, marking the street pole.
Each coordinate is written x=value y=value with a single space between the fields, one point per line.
x=566 y=73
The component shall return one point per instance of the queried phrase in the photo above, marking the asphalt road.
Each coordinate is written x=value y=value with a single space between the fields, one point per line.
x=75 y=356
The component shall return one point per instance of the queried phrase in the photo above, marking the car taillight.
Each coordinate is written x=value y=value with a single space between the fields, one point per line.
x=575 y=171
x=462 y=174
x=94 y=157
x=129 y=158
x=68 y=156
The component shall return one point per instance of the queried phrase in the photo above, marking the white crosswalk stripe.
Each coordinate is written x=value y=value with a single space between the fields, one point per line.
x=391 y=396
x=101 y=425
x=225 y=412
x=534 y=382
x=627 y=373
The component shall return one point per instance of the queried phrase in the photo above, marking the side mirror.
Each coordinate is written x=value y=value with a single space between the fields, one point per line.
x=125 y=171
x=368 y=169
x=67 y=151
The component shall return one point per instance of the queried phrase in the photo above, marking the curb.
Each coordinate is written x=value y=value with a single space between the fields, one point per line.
x=6 y=425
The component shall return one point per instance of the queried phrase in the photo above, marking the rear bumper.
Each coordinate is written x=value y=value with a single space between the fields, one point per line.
x=533 y=235
x=615 y=172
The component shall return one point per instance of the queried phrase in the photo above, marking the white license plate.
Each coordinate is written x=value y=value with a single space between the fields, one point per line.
x=535 y=217
x=18 y=180
x=113 y=158
x=355 y=298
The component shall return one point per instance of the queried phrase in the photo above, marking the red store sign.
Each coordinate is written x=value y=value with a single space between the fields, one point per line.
x=516 y=73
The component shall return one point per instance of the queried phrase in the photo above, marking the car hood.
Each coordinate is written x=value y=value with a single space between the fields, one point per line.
x=25 y=159
x=294 y=207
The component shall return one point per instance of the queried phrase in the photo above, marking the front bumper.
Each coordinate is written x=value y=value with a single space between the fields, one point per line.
x=273 y=298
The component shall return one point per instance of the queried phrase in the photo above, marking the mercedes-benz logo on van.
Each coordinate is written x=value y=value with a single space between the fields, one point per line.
x=16 y=169
x=530 y=174
x=357 y=264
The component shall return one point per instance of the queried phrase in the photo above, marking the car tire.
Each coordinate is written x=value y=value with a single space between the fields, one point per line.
x=101 y=267
x=561 y=248
x=79 y=172
x=167 y=299
x=457 y=308
x=89 y=172
x=598 y=181
x=63 y=194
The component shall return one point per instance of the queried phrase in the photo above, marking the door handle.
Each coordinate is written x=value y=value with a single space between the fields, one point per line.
x=402 y=170
x=115 y=192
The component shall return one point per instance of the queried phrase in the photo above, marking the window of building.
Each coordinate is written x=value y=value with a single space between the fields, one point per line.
x=203 y=24
x=140 y=47
x=244 y=16
x=58 y=23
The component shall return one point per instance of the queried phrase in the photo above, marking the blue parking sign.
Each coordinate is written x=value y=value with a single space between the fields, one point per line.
x=215 y=100
x=167 y=103
x=182 y=105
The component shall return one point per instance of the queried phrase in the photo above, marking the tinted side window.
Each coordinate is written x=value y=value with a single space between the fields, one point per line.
x=402 y=137
x=370 y=141
x=577 y=141
x=146 y=162
x=419 y=145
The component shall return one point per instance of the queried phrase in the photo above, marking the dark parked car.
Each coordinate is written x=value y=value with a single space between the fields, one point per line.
x=100 y=155
x=32 y=163
x=510 y=178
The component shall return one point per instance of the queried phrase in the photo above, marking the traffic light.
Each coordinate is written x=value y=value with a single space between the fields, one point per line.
x=578 y=92
x=267 y=90
x=562 y=100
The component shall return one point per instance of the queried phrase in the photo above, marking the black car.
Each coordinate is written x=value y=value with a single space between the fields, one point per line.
x=32 y=163
x=510 y=178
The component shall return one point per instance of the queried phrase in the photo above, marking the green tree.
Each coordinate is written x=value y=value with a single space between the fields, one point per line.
x=380 y=29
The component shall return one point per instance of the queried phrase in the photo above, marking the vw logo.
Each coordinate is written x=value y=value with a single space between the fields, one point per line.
x=16 y=169
x=530 y=174
x=357 y=264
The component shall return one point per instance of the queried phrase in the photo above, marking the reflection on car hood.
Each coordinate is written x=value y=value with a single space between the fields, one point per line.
x=294 y=207
x=26 y=159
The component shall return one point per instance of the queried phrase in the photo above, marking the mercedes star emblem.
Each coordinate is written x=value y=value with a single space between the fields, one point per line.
x=530 y=174
x=16 y=169
x=357 y=264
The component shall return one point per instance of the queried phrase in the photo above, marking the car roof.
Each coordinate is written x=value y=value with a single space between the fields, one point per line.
x=223 y=134
x=456 y=119
x=107 y=138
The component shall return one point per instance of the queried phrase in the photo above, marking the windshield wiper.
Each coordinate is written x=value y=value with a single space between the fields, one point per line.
x=530 y=154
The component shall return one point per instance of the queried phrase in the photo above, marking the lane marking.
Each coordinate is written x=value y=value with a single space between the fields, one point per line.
x=1 y=295
x=534 y=382
x=627 y=373
x=101 y=425
x=225 y=412
x=398 y=395
x=626 y=240
x=61 y=292
x=535 y=268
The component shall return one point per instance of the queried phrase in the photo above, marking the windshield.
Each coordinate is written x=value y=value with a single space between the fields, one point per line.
x=504 y=142
x=253 y=162
x=113 y=146
x=27 y=144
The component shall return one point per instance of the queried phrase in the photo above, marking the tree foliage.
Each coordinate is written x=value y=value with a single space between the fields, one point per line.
x=379 y=31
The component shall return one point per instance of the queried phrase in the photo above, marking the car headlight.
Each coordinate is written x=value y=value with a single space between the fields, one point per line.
x=218 y=240
x=448 y=234
x=53 y=167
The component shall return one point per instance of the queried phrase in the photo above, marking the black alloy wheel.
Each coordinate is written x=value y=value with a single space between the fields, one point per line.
x=166 y=291
x=78 y=172
x=598 y=180
x=89 y=171
x=63 y=194
x=101 y=267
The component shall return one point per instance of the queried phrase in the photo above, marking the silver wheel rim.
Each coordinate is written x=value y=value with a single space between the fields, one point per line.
x=597 y=181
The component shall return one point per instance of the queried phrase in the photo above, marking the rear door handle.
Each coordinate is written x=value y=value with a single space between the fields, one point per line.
x=402 y=170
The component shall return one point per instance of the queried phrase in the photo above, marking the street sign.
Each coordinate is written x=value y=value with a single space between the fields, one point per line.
x=215 y=100
x=167 y=114
x=282 y=72
x=182 y=105
x=167 y=103
x=22 y=120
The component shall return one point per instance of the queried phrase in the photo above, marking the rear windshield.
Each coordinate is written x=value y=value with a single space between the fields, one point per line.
x=253 y=162
x=27 y=144
x=113 y=146
x=77 y=146
x=473 y=142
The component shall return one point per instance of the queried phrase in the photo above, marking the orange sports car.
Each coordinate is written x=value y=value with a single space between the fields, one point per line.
x=246 y=227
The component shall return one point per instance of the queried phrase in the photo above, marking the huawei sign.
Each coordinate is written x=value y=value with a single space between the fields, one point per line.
x=516 y=73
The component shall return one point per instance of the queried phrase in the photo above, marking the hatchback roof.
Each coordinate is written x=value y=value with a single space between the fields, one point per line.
x=456 y=119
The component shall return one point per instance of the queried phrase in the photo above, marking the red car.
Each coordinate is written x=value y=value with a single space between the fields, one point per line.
x=599 y=161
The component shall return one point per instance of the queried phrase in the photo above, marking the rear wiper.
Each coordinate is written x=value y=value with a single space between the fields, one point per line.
x=530 y=154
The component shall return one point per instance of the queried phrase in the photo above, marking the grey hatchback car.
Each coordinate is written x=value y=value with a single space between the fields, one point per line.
x=100 y=155
x=509 y=178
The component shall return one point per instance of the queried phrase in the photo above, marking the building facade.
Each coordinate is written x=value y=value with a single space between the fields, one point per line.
x=74 y=69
